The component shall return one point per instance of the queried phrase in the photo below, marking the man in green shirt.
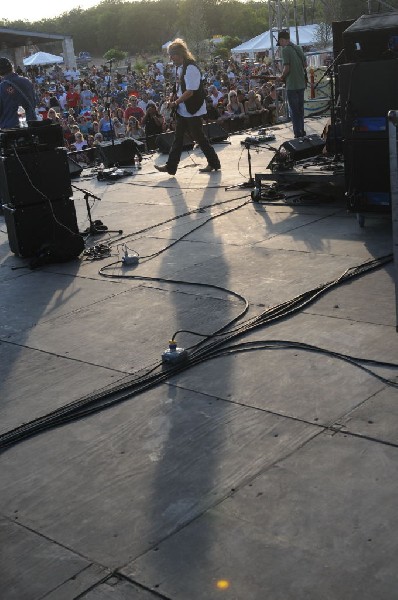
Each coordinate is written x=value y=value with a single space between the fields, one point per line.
x=293 y=76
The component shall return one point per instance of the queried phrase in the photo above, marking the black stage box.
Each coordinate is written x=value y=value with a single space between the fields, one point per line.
x=368 y=91
x=39 y=136
x=215 y=133
x=30 y=228
x=367 y=165
x=120 y=152
x=164 y=142
x=304 y=147
x=32 y=178
x=372 y=37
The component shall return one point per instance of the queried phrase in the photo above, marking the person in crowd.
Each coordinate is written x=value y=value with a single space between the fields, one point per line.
x=269 y=103
x=86 y=96
x=79 y=143
x=133 y=110
x=215 y=95
x=53 y=102
x=134 y=130
x=168 y=115
x=235 y=108
x=153 y=123
x=15 y=91
x=53 y=116
x=143 y=102
x=105 y=126
x=191 y=106
x=293 y=76
x=98 y=139
x=72 y=99
x=119 y=128
x=253 y=107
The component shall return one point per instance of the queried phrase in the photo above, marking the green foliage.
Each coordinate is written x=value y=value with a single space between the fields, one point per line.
x=229 y=42
x=115 y=54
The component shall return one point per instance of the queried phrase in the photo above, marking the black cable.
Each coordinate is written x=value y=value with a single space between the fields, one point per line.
x=211 y=218
x=140 y=383
x=176 y=217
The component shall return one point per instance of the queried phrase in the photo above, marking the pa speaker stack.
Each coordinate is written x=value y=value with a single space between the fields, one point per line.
x=164 y=141
x=119 y=152
x=368 y=90
x=35 y=190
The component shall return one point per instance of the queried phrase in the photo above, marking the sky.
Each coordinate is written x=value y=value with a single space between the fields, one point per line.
x=35 y=11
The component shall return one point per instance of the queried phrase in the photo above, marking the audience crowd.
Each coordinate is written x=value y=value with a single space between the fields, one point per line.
x=96 y=104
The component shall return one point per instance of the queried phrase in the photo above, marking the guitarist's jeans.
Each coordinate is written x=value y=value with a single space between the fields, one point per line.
x=194 y=127
x=295 y=99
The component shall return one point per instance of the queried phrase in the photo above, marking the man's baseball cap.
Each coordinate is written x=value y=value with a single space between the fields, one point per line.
x=284 y=35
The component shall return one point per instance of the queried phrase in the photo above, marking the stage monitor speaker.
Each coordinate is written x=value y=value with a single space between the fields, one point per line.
x=34 y=178
x=120 y=152
x=75 y=169
x=164 y=142
x=304 y=147
x=31 y=228
x=359 y=99
x=215 y=133
x=372 y=37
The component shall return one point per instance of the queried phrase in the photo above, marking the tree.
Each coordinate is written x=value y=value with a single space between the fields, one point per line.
x=115 y=55
x=195 y=29
x=323 y=35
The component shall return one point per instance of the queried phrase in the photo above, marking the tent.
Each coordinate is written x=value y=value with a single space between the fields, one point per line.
x=42 y=58
x=262 y=42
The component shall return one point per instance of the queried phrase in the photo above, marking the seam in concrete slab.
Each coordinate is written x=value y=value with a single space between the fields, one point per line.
x=346 y=318
x=244 y=482
x=52 y=541
x=82 y=594
x=155 y=593
x=280 y=233
x=83 y=362
x=346 y=432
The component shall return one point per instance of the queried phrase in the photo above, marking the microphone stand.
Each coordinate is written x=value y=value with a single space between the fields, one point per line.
x=331 y=71
x=95 y=227
x=107 y=99
x=246 y=184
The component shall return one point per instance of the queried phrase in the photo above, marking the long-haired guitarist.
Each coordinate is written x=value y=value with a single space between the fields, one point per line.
x=190 y=107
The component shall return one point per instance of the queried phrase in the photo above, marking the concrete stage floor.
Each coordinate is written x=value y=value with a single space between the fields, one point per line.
x=269 y=474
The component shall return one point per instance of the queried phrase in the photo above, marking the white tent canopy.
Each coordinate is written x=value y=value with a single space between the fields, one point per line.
x=262 y=42
x=42 y=58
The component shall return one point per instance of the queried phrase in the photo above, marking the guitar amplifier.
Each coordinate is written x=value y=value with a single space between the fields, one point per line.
x=35 y=177
x=39 y=136
x=304 y=147
x=29 y=228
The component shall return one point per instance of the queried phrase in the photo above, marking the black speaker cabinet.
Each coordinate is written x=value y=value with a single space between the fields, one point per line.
x=29 y=228
x=38 y=137
x=75 y=169
x=372 y=37
x=367 y=174
x=304 y=147
x=121 y=152
x=368 y=89
x=215 y=133
x=338 y=28
x=164 y=142
x=32 y=178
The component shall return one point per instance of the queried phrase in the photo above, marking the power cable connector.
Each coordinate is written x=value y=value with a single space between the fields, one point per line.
x=130 y=257
x=174 y=355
